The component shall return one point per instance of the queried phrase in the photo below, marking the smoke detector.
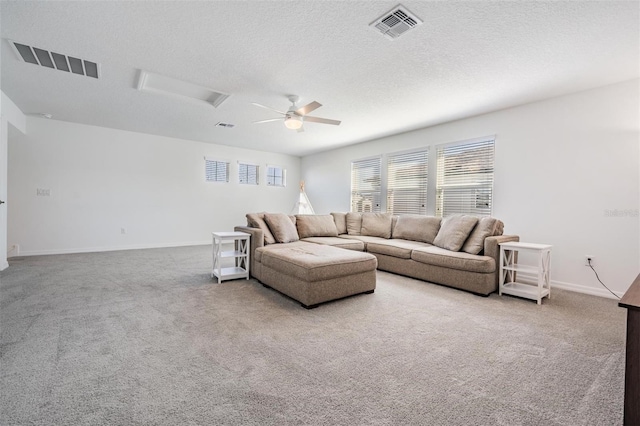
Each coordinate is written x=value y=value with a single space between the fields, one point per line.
x=396 y=22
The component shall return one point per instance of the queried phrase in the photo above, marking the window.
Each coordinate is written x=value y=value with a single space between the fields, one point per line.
x=407 y=182
x=216 y=171
x=276 y=176
x=465 y=178
x=248 y=174
x=365 y=185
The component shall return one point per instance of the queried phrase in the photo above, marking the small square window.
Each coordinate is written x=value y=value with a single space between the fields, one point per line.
x=216 y=171
x=248 y=174
x=276 y=176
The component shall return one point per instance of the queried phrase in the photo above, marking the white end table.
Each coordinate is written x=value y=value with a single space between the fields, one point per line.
x=529 y=281
x=240 y=254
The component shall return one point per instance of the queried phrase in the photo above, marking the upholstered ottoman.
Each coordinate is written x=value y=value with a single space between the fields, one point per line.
x=314 y=273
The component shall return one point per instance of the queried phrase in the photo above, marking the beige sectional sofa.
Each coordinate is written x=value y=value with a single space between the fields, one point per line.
x=318 y=258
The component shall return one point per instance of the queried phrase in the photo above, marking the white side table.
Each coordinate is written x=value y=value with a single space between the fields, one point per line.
x=529 y=281
x=240 y=254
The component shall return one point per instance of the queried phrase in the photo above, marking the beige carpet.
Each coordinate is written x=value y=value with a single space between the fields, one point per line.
x=145 y=337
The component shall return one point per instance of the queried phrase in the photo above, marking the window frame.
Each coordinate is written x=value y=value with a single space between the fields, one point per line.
x=283 y=177
x=479 y=199
x=248 y=175
x=417 y=192
x=367 y=195
x=217 y=162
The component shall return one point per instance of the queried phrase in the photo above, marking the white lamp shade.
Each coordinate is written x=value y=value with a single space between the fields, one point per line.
x=293 y=122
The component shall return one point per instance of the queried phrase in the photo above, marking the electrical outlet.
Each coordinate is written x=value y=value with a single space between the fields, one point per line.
x=588 y=257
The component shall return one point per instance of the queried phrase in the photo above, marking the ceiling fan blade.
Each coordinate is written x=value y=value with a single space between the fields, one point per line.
x=268 y=120
x=321 y=120
x=300 y=130
x=308 y=108
x=269 y=108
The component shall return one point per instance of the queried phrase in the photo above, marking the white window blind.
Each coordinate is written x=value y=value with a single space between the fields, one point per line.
x=248 y=174
x=407 y=182
x=276 y=176
x=465 y=178
x=365 y=185
x=216 y=171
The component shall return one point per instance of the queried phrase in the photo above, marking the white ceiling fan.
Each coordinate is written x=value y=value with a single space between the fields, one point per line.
x=294 y=117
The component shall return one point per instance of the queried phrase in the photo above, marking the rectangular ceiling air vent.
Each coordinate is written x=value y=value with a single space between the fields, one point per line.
x=227 y=125
x=396 y=22
x=37 y=56
x=156 y=83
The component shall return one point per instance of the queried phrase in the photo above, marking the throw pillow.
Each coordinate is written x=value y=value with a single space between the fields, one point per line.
x=376 y=225
x=316 y=226
x=282 y=227
x=454 y=230
x=354 y=223
x=256 y=220
x=341 y=222
x=486 y=227
x=417 y=228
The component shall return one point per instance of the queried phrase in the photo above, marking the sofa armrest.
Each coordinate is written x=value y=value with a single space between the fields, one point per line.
x=257 y=240
x=492 y=249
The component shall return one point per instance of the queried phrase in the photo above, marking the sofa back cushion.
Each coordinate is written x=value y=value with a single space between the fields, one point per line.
x=354 y=223
x=316 y=226
x=282 y=227
x=454 y=231
x=486 y=227
x=376 y=225
x=340 y=220
x=417 y=227
x=256 y=220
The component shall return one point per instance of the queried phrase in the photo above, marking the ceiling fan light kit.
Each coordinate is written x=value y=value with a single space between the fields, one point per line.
x=295 y=117
x=293 y=122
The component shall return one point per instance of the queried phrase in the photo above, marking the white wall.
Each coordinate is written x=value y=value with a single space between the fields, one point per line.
x=560 y=165
x=10 y=118
x=101 y=180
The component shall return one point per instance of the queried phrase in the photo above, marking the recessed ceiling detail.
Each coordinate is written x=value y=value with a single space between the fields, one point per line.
x=396 y=22
x=156 y=83
x=37 y=56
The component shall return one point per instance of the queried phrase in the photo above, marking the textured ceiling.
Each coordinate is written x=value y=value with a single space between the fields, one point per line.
x=466 y=59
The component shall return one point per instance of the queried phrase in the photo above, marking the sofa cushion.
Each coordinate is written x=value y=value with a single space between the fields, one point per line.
x=365 y=239
x=454 y=231
x=256 y=220
x=417 y=228
x=316 y=226
x=396 y=248
x=257 y=255
x=376 y=225
x=486 y=227
x=354 y=223
x=337 y=242
x=316 y=262
x=340 y=220
x=462 y=261
x=282 y=227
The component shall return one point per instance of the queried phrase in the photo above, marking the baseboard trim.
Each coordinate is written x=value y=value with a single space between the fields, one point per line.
x=116 y=248
x=594 y=291
x=577 y=288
